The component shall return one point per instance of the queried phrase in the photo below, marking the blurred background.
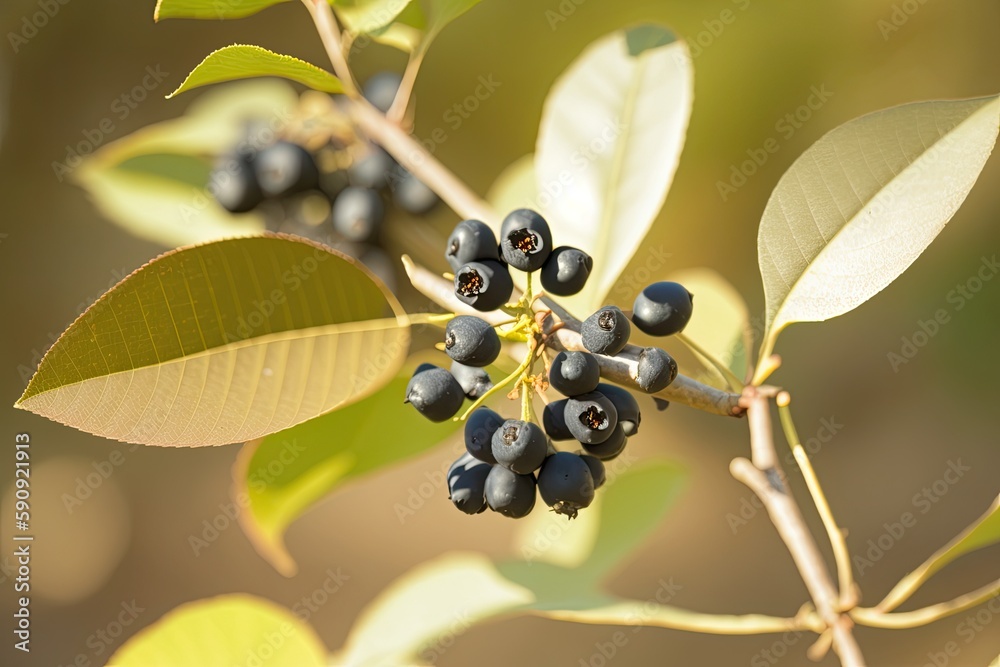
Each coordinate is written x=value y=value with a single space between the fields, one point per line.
x=895 y=430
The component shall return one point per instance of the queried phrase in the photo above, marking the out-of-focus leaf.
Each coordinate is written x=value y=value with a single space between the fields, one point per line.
x=223 y=342
x=242 y=61
x=861 y=204
x=316 y=458
x=442 y=12
x=226 y=630
x=984 y=532
x=611 y=135
x=546 y=537
x=369 y=16
x=209 y=9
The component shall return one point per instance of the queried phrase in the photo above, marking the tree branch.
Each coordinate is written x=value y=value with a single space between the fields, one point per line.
x=329 y=33
x=766 y=479
x=911 y=619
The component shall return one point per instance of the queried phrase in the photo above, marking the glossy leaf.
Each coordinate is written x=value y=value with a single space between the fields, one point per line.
x=223 y=342
x=984 y=532
x=861 y=204
x=226 y=630
x=209 y=9
x=318 y=457
x=611 y=135
x=241 y=61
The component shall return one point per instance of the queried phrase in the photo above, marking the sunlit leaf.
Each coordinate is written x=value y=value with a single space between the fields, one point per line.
x=209 y=9
x=720 y=324
x=226 y=630
x=611 y=135
x=316 y=458
x=984 y=532
x=241 y=61
x=369 y=16
x=442 y=12
x=546 y=537
x=223 y=342
x=861 y=204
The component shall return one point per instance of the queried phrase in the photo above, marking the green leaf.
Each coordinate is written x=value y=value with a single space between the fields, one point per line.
x=443 y=12
x=456 y=591
x=223 y=342
x=324 y=454
x=861 y=204
x=225 y=630
x=720 y=324
x=209 y=9
x=369 y=16
x=611 y=135
x=241 y=61
x=984 y=532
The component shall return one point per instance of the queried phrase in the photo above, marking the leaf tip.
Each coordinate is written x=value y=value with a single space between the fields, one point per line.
x=647 y=36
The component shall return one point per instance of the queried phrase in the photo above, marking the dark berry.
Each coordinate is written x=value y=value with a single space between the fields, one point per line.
x=566 y=270
x=474 y=381
x=591 y=418
x=484 y=285
x=610 y=448
x=657 y=370
x=479 y=429
x=662 y=309
x=381 y=89
x=471 y=341
x=372 y=169
x=606 y=331
x=434 y=392
x=234 y=185
x=626 y=406
x=285 y=168
x=525 y=240
x=574 y=373
x=510 y=494
x=471 y=241
x=358 y=214
x=412 y=195
x=597 y=471
x=554 y=420
x=467 y=484
x=565 y=483
x=520 y=446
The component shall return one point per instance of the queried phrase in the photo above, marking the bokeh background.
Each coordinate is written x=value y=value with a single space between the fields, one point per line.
x=899 y=429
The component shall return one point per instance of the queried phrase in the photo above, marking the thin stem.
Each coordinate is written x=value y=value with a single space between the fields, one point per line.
x=529 y=359
x=730 y=377
x=766 y=479
x=329 y=33
x=840 y=552
x=911 y=619
x=397 y=112
x=430 y=318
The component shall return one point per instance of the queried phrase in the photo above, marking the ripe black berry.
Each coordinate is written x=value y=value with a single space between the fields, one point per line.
x=434 y=392
x=597 y=471
x=520 y=446
x=479 y=429
x=471 y=341
x=412 y=195
x=626 y=406
x=662 y=309
x=606 y=331
x=565 y=483
x=381 y=89
x=657 y=369
x=525 y=240
x=285 y=168
x=474 y=381
x=566 y=270
x=574 y=373
x=591 y=418
x=358 y=214
x=471 y=241
x=510 y=494
x=371 y=170
x=467 y=484
x=610 y=448
x=554 y=420
x=484 y=285
x=234 y=185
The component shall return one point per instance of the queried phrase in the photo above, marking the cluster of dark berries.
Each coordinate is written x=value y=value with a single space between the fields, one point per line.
x=506 y=461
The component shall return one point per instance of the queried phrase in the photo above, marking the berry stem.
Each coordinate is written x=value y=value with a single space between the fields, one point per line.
x=431 y=318
x=516 y=375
